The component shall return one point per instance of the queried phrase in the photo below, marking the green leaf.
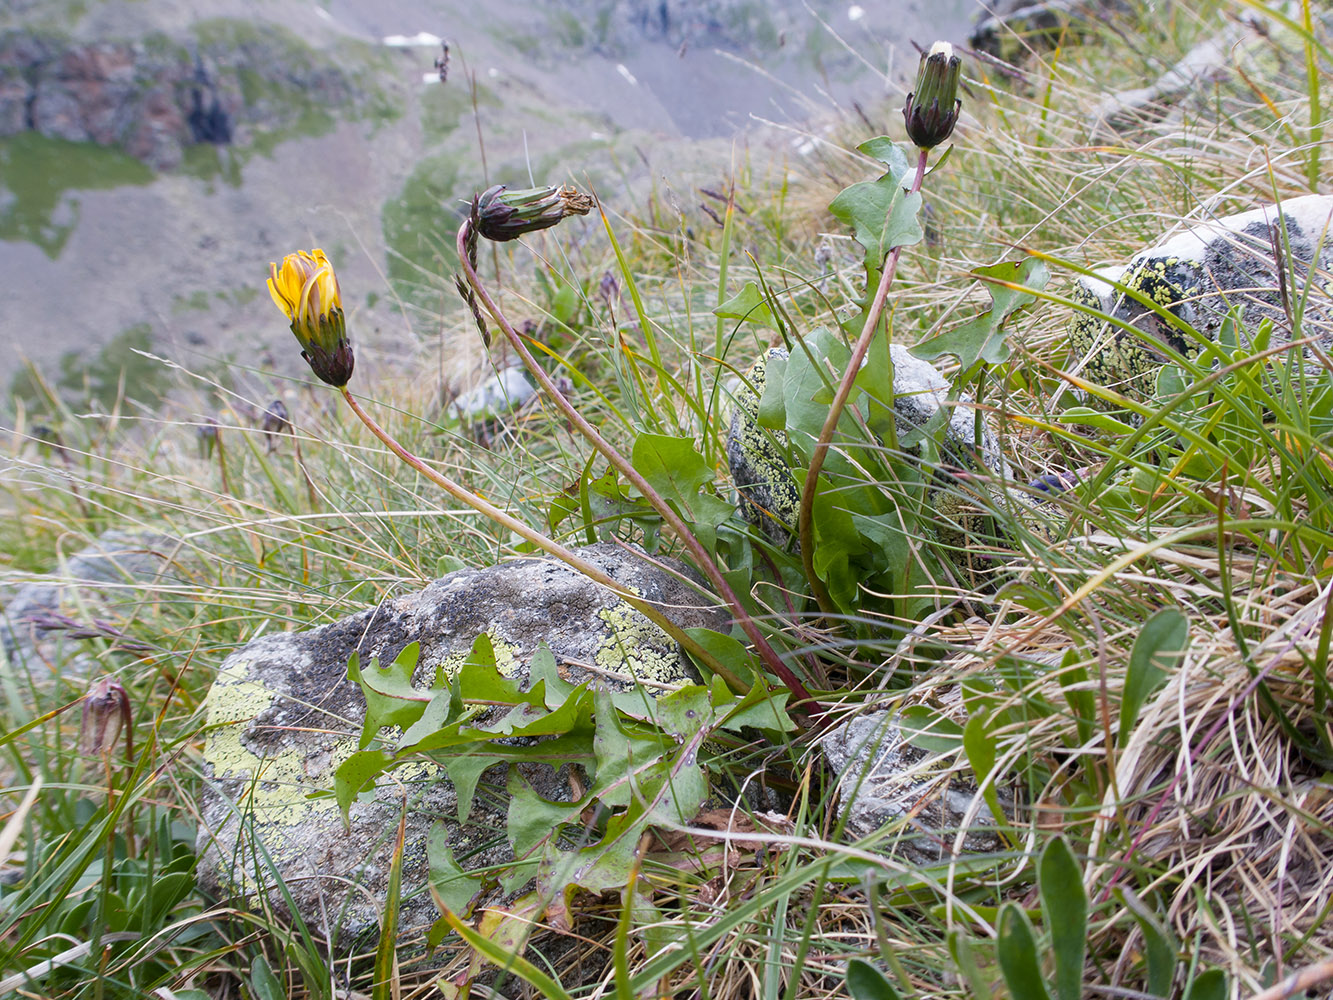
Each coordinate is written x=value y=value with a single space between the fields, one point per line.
x=263 y=983
x=865 y=982
x=1016 y=948
x=385 y=985
x=772 y=404
x=979 y=745
x=620 y=754
x=1086 y=416
x=960 y=949
x=355 y=773
x=1210 y=985
x=456 y=887
x=507 y=959
x=882 y=215
x=929 y=730
x=1159 y=943
x=758 y=708
x=1082 y=702
x=533 y=819
x=679 y=473
x=982 y=338
x=1160 y=645
x=465 y=770
x=747 y=305
x=727 y=649
x=391 y=699
x=1065 y=906
x=889 y=153
x=685 y=711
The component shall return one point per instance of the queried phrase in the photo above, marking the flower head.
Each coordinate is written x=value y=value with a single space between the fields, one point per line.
x=932 y=108
x=306 y=289
x=106 y=710
x=500 y=214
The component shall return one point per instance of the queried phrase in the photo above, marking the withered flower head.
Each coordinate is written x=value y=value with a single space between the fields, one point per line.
x=932 y=108
x=306 y=289
x=106 y=710
x=501 y=215
x=276 y=419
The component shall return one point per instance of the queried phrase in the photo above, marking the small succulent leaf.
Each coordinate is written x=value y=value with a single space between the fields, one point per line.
x=1082 y=702
x=1065 y=906
x=960 y=949
x=1159 y=942
x=746 y=305
x=1209 y=985
x=865 y=982
x=1160 y=645
x=983 y=337
x=1016 y=948
x=929 y=730
x=979 y=745
x=263 y=983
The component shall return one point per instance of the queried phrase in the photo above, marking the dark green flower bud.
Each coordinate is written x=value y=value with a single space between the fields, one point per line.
x=932 y=108
x=502 y=215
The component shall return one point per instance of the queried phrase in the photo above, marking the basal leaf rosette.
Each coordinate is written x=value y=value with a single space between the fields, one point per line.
x=305 y=287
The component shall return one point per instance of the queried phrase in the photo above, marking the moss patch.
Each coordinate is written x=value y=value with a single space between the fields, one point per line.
x=37 y=175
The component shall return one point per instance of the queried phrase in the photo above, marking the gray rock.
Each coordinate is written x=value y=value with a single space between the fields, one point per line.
x=1199 y=275
x=884 y=781
x=503 y=392
x=282 y=716
x=101 y=584
x=769 y=497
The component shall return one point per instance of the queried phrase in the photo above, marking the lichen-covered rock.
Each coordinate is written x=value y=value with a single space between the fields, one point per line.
x=1239 y=261
x=769 y=496
x=282 y=716
x=884 y=782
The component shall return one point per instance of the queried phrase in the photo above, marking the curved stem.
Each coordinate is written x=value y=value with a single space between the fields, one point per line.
x=544 y=543
x=702 y=559
x=804 y=521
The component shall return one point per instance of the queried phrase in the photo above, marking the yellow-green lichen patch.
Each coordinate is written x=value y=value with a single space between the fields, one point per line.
x=637 y=648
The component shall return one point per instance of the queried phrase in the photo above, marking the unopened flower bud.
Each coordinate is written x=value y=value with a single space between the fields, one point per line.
x=501 y=215
x=306 y=289
x=932 y=108
x=276 y=421
x=106 y=711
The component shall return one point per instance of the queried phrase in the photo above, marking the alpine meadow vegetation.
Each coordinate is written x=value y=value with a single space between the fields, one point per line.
x=1113 y=656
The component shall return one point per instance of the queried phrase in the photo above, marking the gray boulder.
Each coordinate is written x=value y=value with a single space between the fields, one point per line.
x=885 y=784
x=282 y=716
x=1239 y=261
